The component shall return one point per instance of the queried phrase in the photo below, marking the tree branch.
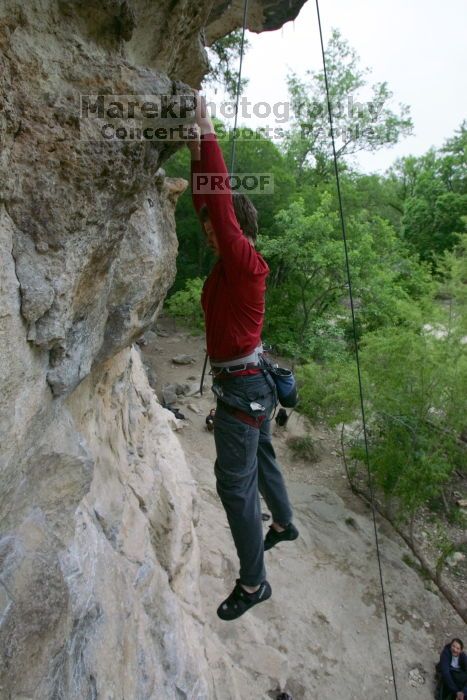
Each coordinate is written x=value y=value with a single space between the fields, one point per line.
x=434 y=572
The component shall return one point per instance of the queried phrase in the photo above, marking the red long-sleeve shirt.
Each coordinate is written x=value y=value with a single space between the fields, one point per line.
x=233 y=294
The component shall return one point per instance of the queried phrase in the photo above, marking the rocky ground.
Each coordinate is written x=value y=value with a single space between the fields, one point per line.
x=322 y=634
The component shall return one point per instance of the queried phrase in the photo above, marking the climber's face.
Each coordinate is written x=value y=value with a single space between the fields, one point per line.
x=211 y=237
x=456 y=648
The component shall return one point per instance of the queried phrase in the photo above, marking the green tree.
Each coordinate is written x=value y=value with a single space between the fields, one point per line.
x=434 y=192
x=308 y=289
x=306 y=274
x=186 y=303
x=358 y=124
x=415 y=388
x=453 y=168
x=225 y=58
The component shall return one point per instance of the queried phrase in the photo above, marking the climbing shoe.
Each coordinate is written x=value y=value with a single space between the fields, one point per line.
x=273 y=537
x=239 y=601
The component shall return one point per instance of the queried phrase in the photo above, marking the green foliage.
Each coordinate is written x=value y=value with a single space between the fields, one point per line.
x=305 y=278
x=376 y=195
x=415 y=387
x=457 y=517
x=307 y=313
x=259 y=155
x=358 y=124
x=452 y=289
x=434 y=187
x=302 y=447
x=329 y=392
x=416 y=410
x=185 y=304
x=225 y=57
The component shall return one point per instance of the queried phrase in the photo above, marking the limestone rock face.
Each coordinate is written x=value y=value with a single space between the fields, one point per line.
x=99 y=558
x=171 y=37
x=93 y=232
x=96 y=502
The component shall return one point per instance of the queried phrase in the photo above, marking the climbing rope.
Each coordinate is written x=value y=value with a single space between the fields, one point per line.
x=238 y=88
x=357 y=355
x=234 y=139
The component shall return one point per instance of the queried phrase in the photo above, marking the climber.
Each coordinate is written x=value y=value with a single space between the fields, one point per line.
x=210 y=419
x=233 y=303
x=452 y=667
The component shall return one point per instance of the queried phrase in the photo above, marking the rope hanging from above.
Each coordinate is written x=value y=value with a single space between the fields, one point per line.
x=239 y=87
x=357 y=355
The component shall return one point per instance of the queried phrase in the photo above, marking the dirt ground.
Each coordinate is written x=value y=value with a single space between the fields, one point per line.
x=322 y=634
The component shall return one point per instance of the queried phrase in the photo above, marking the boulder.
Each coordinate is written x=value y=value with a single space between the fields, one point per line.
x=455 y=558
x=183 y=360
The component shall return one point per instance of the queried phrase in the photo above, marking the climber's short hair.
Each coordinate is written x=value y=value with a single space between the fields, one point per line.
x=245 y=211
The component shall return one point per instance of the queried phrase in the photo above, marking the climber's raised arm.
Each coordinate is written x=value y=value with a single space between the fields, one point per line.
x=210 y=175
x=194 y=146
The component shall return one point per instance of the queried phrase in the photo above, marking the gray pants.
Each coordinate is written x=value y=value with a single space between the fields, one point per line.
x=246 y=466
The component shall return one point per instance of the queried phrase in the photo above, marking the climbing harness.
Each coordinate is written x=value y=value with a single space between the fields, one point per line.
x=357 y=356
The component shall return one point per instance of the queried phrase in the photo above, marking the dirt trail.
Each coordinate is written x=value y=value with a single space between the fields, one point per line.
x=322 y=634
